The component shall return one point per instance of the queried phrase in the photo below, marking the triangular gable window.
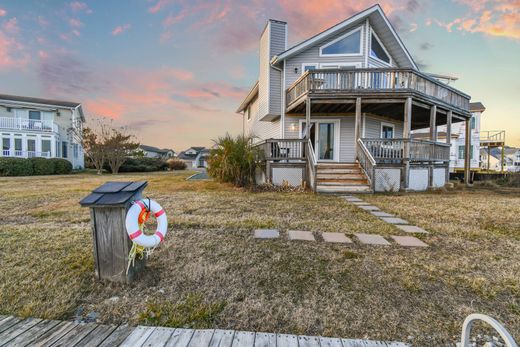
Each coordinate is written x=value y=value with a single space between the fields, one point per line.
x=345 y=45
x=377 y=50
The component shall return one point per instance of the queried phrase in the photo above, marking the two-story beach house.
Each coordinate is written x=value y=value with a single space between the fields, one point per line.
x=33 y=127
x=337 y=110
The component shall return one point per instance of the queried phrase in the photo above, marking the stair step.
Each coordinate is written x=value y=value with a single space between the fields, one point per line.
x=343 y=189
x=338 y=171
x=359 y=182
x=340 y=176
x=339 y=166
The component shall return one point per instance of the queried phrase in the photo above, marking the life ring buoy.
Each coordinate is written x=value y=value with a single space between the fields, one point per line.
x=137 y=215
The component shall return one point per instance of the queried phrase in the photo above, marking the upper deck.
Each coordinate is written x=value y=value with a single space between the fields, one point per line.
x=374 y=83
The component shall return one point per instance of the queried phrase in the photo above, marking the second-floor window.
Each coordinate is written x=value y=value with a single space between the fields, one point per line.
x=348 y=44
x=35 y=115
x=377 y=50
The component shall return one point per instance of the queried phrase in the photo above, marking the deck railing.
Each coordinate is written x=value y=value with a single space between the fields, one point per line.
x=24 y=154
x=366 y=161
x=28 y=124
x=398 y=150
x=283 y=149
x=375 y=80
x=493 y=136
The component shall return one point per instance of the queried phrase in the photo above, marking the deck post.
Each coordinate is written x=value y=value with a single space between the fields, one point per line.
x=433 y=137
x=448 y=141
x=308 y=118
x=467 y=153
x=407 y=127
x=357 y=124
x=502 y=159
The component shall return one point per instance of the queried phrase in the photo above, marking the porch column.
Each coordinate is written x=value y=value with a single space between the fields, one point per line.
x=357 y=121
x=467 y=153
x=433 y=124
x=448 y=141
x=502 y=159
x=308 y=118
x=407 y=128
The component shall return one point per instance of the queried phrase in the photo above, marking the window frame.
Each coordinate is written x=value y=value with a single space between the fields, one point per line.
x=360 y=29
x=390 y=125
x=372 y=33
x=316 y=66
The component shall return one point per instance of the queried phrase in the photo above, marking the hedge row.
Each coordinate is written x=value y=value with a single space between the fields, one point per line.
x=34 y=166
x=141 y=165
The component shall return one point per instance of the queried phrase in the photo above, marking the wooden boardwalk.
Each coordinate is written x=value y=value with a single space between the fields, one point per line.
x=40 y=333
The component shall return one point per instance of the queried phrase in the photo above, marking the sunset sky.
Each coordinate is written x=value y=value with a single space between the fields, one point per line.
x=174 y=71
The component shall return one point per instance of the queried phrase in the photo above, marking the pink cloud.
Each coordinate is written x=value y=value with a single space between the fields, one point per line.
x=120 y=29
x=11 y=26
x=43 y=54
x=75 y=23
x=12 y=53
x=78 y=6
x=42 y=21
x=104 y=107
x=2 y=12
x=159 y=5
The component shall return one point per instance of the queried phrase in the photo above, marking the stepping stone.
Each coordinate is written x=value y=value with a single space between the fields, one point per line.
x=412 y=229
x=353 y=199
x=369 y=207
x=360 y=203
x=409 y=241
x=301 y=235
x=266 y=234
x=371 y=239
x=335 y=238
x=394 y=220
x=381 y=214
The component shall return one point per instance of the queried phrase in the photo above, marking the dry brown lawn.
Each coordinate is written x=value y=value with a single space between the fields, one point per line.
x=210 y=272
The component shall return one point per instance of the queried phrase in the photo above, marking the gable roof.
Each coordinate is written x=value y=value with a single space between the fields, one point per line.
x=40 y=101
x=379 y=22
x=155 y=149
x=476 y=107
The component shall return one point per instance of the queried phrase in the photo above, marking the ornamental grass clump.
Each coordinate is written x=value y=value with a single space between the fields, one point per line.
x=234 y=160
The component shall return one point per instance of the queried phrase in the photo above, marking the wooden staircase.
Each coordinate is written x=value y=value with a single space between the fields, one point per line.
x=337 y=178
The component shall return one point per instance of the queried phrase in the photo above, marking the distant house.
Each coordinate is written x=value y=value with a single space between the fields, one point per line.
x=154 y=152
x=195 y=157
x=511 y=159
x=33 y=127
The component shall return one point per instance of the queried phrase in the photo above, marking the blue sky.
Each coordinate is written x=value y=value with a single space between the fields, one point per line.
x=174 y=71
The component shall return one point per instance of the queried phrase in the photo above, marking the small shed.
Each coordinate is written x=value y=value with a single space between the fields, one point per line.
x=108 y=205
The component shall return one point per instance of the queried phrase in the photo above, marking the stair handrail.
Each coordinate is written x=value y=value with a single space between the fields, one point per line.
x=367 y=162
x=468 y=324
x=311 y=165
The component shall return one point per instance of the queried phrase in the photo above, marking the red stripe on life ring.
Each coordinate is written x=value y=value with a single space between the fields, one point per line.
x=160 y=213
x=161 y=236
x=136 y=234
x=140 y=203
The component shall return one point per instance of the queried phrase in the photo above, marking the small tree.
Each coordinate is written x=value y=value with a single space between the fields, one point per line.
x=118 y=146
x=93 y=146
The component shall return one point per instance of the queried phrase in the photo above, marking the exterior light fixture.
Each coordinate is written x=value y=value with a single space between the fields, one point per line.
x=295 y=70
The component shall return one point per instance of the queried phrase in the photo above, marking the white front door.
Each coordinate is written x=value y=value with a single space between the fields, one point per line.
x=324 y=136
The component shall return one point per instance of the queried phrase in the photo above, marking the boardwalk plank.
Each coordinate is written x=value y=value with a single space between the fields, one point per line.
x=265 y=340
x=159 y=337
x=54 y=334
x=330 y=342
x=8 y=322
x=284 y=340
x=96 y=336
x=117 y=336
x=180 y=338
x=222 y=338
x=17 y=329
x=201 y=338
x=368 y=343
x=243 y=339
x=138 y=336
x=33 y=333
x=75 y=335
x=308 y=341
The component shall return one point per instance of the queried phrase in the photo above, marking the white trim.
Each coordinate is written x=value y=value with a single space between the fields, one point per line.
x=372 y=32
x=386 y=124
x=364 y=115
x=282 y=90
x=316 y=65
x=360 y=51
x=337 y=134
x=331 y=65
x=366 y=50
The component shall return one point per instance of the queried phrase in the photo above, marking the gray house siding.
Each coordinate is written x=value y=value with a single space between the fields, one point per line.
x=260 y=130
x=372 y=126
x=277 y=45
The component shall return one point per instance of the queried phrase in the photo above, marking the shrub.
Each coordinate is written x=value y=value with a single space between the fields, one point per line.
x=61 y=166
x=15 y=167
x=176 y=164
x=141 y=165
x=234 y=160
x=42 y=166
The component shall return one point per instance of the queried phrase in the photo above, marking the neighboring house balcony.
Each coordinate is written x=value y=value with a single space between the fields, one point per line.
x=25 y=154
x=33 y=125
x=372 y=82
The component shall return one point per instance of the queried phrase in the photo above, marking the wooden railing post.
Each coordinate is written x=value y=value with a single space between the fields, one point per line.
x=467 y=153
x=448 y=141
x=406 y=134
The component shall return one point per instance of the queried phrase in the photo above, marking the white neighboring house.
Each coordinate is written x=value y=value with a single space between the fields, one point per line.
x=35 y=127
x=511 y=159
x=336 y=111
x=195 y=157
x=154 y=152
x=458 y=139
